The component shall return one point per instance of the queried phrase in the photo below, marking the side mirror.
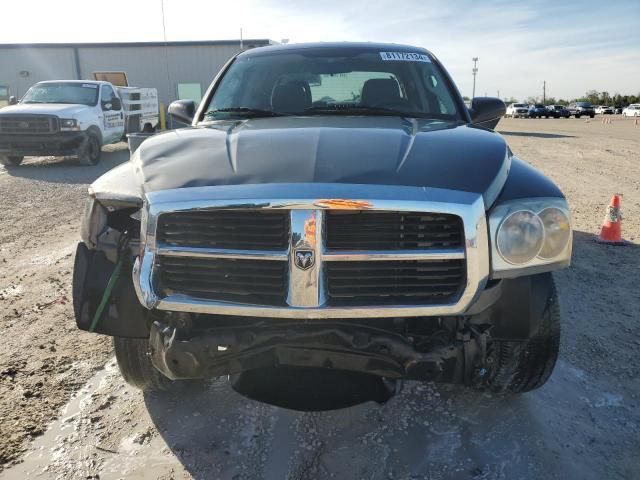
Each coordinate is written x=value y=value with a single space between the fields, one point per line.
x=487 y=111
x=116 y=104
x=13 y=100
x=183 y=110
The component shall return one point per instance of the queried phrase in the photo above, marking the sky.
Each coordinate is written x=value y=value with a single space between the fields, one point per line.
x=574 y=46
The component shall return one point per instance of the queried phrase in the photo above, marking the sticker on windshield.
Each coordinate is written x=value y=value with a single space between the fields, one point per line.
x=89 y=85
x=404 y=57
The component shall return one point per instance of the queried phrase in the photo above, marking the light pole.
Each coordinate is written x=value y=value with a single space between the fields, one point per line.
x=475 y=72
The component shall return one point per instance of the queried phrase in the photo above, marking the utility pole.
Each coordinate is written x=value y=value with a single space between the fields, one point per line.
x=544 y=92
x=498 y=93
x=475 y=72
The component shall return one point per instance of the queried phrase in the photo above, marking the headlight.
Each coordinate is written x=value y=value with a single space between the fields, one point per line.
x=530 y=236
x=68 y=124
x=557 y=232
x=520 y=237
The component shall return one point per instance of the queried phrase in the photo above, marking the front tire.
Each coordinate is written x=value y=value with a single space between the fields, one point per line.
x=135 y=365
x=91 y=151
x=518 y=367
x=11 y=160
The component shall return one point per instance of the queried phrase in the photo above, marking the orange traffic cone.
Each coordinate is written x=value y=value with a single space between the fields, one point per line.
x=611 y=231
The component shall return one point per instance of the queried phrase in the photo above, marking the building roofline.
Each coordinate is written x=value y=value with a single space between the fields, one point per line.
x=188 y=43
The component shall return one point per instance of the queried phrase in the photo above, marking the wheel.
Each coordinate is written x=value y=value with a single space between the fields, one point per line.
x=11 y=161
x=591 y=116
x=135 y=365
x=577 y=116
x=517 y=367
x=90 y=153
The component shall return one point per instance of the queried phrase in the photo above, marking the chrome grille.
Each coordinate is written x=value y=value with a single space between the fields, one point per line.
x=227 y=229
x=364 y=230
x=289 y=251
x=423 y=282
x=28 y=124
x=228 y=280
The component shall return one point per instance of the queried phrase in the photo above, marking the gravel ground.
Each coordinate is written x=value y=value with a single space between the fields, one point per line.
x=66 y=413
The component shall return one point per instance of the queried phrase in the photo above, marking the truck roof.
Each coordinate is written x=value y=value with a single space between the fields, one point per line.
x=335 y=46
x=96 y=82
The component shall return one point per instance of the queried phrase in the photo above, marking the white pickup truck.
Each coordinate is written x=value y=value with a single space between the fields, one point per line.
x=74 y=117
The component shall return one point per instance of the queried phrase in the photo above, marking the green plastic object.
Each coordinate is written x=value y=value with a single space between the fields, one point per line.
x=107 y=294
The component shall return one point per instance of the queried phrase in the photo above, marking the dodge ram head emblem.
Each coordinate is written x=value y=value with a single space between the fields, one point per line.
x=304 y=259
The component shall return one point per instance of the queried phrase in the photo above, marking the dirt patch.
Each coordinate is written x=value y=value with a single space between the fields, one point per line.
x=585 y=423
x=44 y=358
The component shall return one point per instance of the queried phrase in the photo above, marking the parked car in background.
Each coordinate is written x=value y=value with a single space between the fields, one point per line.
x=558 y=111
x=74 y=117
x=517 y=110
x=618 y=110
x=538 y=111
x=632 y=110
x=604 y=110
x=580 y=109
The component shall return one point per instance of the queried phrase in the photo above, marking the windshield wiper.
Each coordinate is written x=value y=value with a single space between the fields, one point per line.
x=366 y=110
x=254 y=112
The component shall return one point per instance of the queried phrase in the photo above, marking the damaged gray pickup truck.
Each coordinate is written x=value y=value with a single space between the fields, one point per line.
x=334 y=221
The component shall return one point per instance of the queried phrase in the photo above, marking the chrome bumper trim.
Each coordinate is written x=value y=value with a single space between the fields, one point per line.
x=306 y=297
x=182 y=303
x=195 y=252
x=376 y=255
x=327 y=256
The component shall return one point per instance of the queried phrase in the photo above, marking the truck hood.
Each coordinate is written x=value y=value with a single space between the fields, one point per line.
x=61 y=110
x=356 y=150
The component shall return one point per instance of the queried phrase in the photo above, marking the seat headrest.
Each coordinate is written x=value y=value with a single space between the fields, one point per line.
x=291 y=97
x=380 y=90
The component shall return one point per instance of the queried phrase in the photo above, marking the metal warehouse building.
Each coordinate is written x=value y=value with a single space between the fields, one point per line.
x=176 y=69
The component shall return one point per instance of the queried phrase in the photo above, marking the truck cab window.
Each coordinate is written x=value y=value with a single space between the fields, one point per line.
x=108 y=95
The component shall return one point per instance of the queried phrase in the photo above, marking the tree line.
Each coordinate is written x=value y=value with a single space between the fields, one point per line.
x=592 y=96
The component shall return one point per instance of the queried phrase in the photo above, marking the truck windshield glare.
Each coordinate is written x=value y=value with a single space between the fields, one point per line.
x=368 y=83
x=73 y=93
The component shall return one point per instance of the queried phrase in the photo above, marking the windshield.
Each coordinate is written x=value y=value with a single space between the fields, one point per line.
x=519 y=105
x=584 y=104
x=74 y=93
x=315 y=83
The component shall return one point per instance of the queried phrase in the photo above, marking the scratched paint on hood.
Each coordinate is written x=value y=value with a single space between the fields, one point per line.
x=355 y=150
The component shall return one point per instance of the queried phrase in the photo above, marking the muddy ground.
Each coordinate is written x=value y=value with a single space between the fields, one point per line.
x=66 y=413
